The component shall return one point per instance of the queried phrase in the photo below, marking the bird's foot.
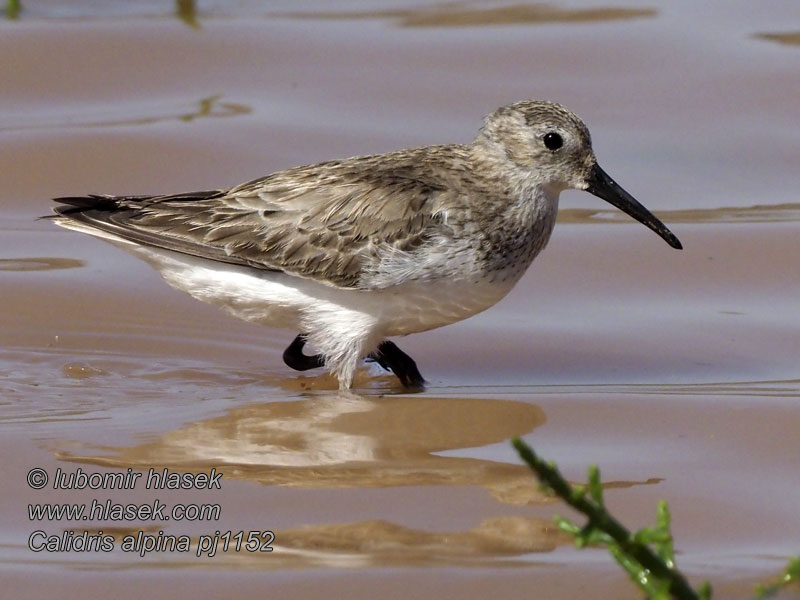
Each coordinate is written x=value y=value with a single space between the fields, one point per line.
x=293 y=356
x=388 y=356
x=391 y=358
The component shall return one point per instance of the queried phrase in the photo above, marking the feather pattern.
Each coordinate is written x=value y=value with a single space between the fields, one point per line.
x=331 y=222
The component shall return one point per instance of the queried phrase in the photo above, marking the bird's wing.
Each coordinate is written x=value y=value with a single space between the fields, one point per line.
x=330 y=222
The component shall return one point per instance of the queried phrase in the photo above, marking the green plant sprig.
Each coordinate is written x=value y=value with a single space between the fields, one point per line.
x=652 y=569
x=13 y=8
x=790 y=575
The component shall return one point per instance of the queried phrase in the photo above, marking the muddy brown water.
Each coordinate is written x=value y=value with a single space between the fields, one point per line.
x=676 y=372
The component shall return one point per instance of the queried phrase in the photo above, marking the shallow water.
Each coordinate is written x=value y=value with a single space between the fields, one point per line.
x=675 y=371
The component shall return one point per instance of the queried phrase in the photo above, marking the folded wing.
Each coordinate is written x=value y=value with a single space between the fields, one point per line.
x=329 y=222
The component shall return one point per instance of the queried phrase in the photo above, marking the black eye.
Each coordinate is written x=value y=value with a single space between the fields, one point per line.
x=553 y=141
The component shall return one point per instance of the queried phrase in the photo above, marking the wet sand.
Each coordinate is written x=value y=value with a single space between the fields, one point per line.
x=676 y=372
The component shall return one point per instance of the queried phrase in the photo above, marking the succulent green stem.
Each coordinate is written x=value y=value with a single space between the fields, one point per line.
x=653 y=567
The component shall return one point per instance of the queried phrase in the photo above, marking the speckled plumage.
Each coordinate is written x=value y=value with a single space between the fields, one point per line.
x=376 y=245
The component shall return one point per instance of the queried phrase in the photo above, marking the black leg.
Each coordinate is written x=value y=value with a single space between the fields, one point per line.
x=293 y=356
x=390 y=357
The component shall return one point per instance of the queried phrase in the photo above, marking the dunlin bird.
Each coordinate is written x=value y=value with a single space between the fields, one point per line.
x=351 y=252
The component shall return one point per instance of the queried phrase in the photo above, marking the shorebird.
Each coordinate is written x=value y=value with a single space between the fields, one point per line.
x=351 y=252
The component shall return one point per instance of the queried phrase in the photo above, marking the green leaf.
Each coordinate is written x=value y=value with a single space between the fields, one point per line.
x=791 y=574
x=13 y=8
x=665 y=545
x=578 y=493
x=704 y=591
x=595 y=489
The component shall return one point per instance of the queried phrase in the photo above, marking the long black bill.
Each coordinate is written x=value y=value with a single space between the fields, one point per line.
x=602 y=186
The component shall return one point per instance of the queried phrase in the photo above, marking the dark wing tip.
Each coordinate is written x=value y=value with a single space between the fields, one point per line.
x=69 y=205
x=102 y=201
x=76 y=204
x=90 y=201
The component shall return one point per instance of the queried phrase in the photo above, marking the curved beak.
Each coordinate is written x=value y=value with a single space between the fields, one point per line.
x=602 y=186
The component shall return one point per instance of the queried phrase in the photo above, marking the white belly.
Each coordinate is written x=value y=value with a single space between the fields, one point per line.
x=290 y=302
x=343 y=325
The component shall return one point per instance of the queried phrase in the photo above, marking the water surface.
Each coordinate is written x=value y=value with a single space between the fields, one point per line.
x=675 y=371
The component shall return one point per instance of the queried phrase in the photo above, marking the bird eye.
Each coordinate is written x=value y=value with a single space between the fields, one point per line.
x=553 y=141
